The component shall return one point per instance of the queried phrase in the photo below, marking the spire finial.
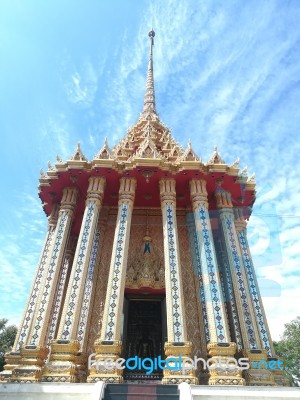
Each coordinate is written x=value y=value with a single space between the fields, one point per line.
x=149 y=99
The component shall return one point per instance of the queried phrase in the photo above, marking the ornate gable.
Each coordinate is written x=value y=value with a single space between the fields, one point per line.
x=104 y=153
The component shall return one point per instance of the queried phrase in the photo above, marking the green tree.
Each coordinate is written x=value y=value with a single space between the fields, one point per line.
x=288 y=349
x=7 y=338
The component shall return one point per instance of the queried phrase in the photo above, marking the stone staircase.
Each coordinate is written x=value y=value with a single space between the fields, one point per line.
x=139 y=391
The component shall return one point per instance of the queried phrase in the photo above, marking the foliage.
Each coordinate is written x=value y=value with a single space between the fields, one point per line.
x=288 y=349
x=7 y=338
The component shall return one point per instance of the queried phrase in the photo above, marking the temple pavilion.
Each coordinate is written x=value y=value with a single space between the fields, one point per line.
x=146 y=255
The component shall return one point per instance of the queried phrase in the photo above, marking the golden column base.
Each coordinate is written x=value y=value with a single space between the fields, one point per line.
x=280 y=377
x=98 y=371
x=81 y=362
x=29 y=368
x=173 y=351
x=227 y=375
x=257 y=374
x=62 y=365
x=12 y=360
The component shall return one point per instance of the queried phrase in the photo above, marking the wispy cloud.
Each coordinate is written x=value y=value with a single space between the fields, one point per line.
x=19 y=253
x=82 y=85
x=56 y=136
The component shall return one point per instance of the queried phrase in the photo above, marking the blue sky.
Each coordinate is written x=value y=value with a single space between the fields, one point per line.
x=226 y=73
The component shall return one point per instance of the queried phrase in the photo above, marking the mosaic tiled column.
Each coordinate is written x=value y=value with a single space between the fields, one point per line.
x=64 y=275
x=177 y=344
x=34 y=353
x=250 y=335
x=227 y=287
x=62 y=366
x=219 y=344
x=109 y=345
x=12 y=358
x=257 y=304
x=196 y=259
x=203 y=315
x=83 y=329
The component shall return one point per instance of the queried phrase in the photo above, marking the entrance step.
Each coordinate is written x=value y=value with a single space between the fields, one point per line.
x=133 y=391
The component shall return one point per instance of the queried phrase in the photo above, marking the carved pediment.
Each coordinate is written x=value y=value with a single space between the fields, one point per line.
x=78 y=155
x=189 y=154
x=104 y=153
x=216 y=158
x=145 y=270
x=147 y=149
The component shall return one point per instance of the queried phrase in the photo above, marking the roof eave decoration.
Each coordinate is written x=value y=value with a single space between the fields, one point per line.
x=44 y=178
x=60 y=165
x=104 y=157
x=78 y=159
x=190 y=160
x=233 y=170
x=216 y=163
x=251 y=184
x=51 y=172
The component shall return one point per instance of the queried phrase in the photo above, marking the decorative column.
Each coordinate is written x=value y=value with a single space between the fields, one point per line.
x=251 y=339
x=60 y=290
x=177 y=344
x=12 y=358
x=109 y=345
x=62 y=366
x=233 y=319
x=257 y=304
x=219 y=344
x=34 y=353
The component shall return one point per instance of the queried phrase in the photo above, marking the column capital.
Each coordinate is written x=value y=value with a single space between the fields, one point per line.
x=69 y=199
x=239 y=222
x=70 y=250
x=95 y=190
x=127 y=189
x=53 y=217
x=198 y=193
x=223 y=198
x=167 y=189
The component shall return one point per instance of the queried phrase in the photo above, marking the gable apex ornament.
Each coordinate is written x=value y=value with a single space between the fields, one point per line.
x=78 y=155
x=147 y=149
x=189 y=154
x=216 y=158
x=104 y=153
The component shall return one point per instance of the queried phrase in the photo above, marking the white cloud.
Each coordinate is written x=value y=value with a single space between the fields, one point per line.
x=82 y=86
x=19 y=253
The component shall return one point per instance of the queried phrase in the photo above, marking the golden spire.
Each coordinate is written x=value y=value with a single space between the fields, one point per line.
x=149 y=99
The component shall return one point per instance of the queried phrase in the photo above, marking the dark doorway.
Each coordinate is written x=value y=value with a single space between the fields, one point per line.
x=144 y=334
